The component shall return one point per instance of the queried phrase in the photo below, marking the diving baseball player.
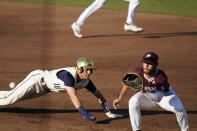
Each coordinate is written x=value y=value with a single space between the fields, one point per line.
x=96 y=5
x=156 y=93
x=69 y=79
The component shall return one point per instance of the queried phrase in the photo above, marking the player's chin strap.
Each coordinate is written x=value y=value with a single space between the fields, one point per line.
x=108 y=112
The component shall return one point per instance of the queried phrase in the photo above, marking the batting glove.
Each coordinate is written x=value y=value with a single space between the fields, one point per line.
x=85 y=114
x=112 y=115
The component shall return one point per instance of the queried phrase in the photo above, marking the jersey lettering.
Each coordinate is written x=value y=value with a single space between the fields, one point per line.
x=57 y=86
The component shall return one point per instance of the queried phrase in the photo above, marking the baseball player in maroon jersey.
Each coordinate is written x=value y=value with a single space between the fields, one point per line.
x=68 y=79
x=157 y=92
x=95 y=6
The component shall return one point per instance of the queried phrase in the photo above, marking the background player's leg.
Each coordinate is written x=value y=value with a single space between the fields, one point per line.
x=96 y=5
x=77 y=26
x=132 y=9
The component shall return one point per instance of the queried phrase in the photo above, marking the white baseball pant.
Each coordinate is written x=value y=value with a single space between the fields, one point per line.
x=132 y=9
x=29 y=87
x=169 y=102
x=96 y=5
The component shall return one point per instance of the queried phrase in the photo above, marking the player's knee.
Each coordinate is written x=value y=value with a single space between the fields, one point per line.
x=133 y=102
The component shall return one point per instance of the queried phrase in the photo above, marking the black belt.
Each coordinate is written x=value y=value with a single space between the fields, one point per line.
x=43 y=84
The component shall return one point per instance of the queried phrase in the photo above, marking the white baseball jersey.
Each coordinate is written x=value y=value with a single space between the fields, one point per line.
x=57 y=85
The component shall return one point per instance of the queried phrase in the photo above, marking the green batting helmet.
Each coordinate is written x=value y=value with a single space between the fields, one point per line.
x=84 y=62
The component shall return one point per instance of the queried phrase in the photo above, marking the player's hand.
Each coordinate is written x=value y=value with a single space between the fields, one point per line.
x=112 y=115
x=116 y=103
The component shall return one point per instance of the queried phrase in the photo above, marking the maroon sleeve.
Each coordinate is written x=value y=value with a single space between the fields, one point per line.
x=162 y=81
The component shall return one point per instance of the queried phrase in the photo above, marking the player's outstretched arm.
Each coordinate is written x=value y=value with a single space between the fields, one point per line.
x=105 y=105
x=75 y=100
x=117 y=100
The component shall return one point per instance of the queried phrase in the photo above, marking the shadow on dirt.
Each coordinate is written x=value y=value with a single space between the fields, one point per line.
x=153 y=35
x=119 y=111
x=123 y=112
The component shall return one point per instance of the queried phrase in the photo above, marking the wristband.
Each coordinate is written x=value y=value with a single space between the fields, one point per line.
x=82 y=111
x=85 y=114
x=106 y=106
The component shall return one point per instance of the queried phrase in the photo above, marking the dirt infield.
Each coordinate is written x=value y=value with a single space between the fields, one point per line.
x=35 y=36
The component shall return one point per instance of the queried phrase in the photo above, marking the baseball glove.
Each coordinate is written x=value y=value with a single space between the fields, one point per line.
x=133 y=80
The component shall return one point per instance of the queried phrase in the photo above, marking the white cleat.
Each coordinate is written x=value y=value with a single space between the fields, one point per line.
x=76 y=30
x=132 y=28
x=112 y=115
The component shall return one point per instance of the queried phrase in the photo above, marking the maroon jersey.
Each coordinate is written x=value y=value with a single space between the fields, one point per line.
x=158 y=82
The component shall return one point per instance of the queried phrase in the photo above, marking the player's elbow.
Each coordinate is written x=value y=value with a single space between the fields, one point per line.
x=100 y=102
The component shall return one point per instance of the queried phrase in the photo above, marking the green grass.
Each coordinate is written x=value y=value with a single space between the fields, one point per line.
x=173 y=7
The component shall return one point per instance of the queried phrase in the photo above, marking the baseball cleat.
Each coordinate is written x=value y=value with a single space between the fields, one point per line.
x=112 y=115
x=132 y=28
x=76 y=30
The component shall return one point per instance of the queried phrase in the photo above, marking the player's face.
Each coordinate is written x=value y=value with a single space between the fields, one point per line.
x=148 y=68
x=86 y=73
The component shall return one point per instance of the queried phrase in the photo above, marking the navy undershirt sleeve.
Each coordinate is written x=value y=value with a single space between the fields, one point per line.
x=91 y=87
x=66 y=77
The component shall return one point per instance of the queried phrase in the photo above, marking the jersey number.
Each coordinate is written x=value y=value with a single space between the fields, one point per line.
x=57 y=86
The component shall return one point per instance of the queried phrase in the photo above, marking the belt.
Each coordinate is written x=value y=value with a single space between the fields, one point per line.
x=43 y=84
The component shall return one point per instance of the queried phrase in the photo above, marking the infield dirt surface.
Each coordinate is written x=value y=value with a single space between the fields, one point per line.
x=36 y=36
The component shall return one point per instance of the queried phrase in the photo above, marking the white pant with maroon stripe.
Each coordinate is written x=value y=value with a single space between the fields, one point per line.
x=169 y=102
x=29 y=87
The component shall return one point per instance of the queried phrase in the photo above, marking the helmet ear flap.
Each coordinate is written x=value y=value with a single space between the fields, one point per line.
x=79 y=69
